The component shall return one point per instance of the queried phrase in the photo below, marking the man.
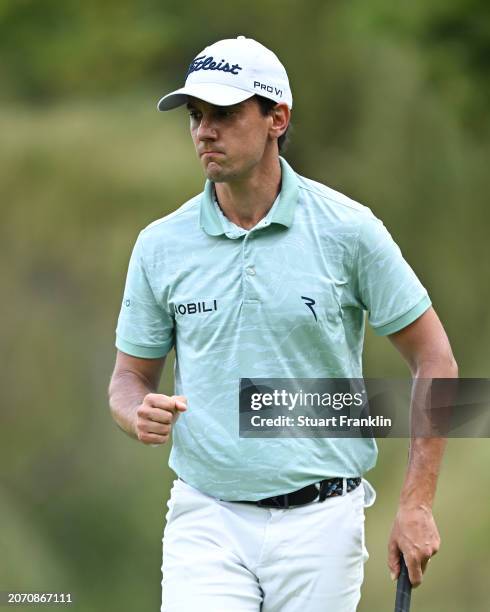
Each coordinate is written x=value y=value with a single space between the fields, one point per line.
x=266 y=274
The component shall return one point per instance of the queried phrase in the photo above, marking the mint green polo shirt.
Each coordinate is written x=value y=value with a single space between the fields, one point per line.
x=229 y=301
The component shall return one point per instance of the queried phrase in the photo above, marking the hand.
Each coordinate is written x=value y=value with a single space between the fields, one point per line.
x=155 y=417
x=415 y=534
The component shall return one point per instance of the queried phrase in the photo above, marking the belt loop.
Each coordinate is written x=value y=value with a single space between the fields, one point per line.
x=322 y=492
x=344 y=486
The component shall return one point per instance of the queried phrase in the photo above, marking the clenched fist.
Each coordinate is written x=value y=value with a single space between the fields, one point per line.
x=155 y=417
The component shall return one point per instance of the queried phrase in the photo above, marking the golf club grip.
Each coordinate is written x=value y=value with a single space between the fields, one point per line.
x=403 y=589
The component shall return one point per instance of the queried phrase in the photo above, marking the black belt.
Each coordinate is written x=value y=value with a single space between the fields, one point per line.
x=315 y=492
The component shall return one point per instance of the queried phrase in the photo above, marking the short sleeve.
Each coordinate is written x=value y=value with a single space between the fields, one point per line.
x=388 y=287
x=144 y=328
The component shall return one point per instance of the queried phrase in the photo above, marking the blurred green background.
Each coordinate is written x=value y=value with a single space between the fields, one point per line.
x=391 y=107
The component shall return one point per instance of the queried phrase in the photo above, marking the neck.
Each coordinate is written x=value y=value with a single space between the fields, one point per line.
x=248 y=200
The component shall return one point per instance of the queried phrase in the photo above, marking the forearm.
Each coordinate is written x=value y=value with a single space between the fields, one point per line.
x=126 y=392
x=426 y=453
x=424 y=464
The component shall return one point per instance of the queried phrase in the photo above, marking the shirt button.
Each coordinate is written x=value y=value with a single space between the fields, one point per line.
x=250 y=271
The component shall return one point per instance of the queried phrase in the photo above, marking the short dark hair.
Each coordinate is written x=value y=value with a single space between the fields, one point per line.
x=266 y=105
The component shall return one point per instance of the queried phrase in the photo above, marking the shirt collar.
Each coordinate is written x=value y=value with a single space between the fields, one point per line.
x=282 y=211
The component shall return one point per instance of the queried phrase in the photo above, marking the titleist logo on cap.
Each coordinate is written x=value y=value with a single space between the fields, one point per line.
x=229 y=72
x=207 y=63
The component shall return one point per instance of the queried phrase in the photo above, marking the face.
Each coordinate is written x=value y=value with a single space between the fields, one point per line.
x=229 y=140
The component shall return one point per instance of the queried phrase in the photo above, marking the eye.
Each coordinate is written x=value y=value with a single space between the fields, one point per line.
x=194 y=114
x=224 y=112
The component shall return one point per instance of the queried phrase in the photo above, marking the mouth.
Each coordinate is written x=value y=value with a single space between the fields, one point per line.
x=210 y=153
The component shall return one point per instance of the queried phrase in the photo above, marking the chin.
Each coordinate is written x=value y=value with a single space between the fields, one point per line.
x=215 y=173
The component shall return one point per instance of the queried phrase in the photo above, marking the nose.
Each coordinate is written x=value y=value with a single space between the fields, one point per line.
x=206 y=129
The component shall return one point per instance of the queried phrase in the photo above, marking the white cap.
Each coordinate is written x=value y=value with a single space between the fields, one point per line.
x=230 y=71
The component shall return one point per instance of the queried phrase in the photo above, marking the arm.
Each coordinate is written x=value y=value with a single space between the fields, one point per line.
x=135 y=406
x=426 y=349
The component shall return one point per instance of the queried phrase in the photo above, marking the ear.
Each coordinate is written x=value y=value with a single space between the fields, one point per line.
x=280 y=115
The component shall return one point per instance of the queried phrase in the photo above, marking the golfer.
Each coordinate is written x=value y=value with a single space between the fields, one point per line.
x=266 y=274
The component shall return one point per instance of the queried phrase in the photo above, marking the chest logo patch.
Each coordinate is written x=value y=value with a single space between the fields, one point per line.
x=310 y=302
x=196 y=307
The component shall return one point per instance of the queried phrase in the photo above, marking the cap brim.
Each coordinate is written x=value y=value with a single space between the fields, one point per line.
x=219 y=95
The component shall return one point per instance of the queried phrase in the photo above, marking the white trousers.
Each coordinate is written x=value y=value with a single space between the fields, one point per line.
x=230 y=557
